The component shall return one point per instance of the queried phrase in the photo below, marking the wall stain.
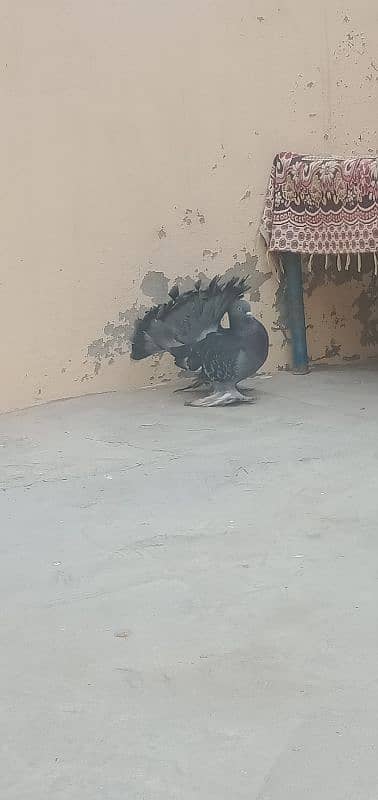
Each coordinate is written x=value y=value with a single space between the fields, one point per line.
x=155 y=285
x=339 y=322
x=162 y=232
x=331 y=351
x=243 y=269
x=187 y=219
x=186 y=282
x=222 y=155
x=366 y=313
x=246 y=195
x=320 y=277
x=115 y=340
x=365 y=304
x=210 y=254
x=280 y=306
x=248 y=269
x=190 y=217
x=354 y=44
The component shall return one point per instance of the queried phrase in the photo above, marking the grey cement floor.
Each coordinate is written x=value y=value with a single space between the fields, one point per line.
x=189 y=596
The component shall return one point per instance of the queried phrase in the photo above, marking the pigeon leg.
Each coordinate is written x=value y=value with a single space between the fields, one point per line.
x=227 y=396
x=205 y=401
x=195 y=385
x=246 y=390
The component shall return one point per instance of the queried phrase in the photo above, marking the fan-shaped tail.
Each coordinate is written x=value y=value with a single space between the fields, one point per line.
x=185 y=319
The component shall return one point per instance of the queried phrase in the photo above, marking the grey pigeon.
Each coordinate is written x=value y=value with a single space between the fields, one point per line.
x=189 y=327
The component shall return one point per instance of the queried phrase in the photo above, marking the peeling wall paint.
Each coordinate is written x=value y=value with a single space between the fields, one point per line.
x=155 y=285
x=366 y=305
x=342 y=312
x=140 y=172
x=115 y=341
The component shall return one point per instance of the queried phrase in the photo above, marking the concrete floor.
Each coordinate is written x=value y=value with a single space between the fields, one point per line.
x=189 y=596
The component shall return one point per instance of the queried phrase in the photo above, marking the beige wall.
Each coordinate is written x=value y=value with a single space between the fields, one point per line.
x=120 y=115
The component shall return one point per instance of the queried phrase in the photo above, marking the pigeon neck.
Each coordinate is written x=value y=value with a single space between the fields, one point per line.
x=237 y=319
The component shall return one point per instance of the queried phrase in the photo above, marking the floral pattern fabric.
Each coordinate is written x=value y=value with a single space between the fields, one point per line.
x=321 y=205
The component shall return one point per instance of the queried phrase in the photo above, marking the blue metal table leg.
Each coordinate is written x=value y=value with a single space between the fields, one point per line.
x=294 y=293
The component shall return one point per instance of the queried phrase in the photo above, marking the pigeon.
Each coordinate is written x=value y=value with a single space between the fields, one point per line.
x=189 y=326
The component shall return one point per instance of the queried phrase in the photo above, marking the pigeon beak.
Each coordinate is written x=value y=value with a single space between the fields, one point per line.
x=249 y=314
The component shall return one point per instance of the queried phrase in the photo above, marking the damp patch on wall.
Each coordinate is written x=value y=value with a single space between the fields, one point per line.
x=319 y=277
x=115 y=339
x=367 y=314
x=155 y=285
x=338 y=299
x=114 y=342
x=247 y=268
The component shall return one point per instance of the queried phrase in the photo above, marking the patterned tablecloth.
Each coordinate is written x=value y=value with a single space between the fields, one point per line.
x=322 y=205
